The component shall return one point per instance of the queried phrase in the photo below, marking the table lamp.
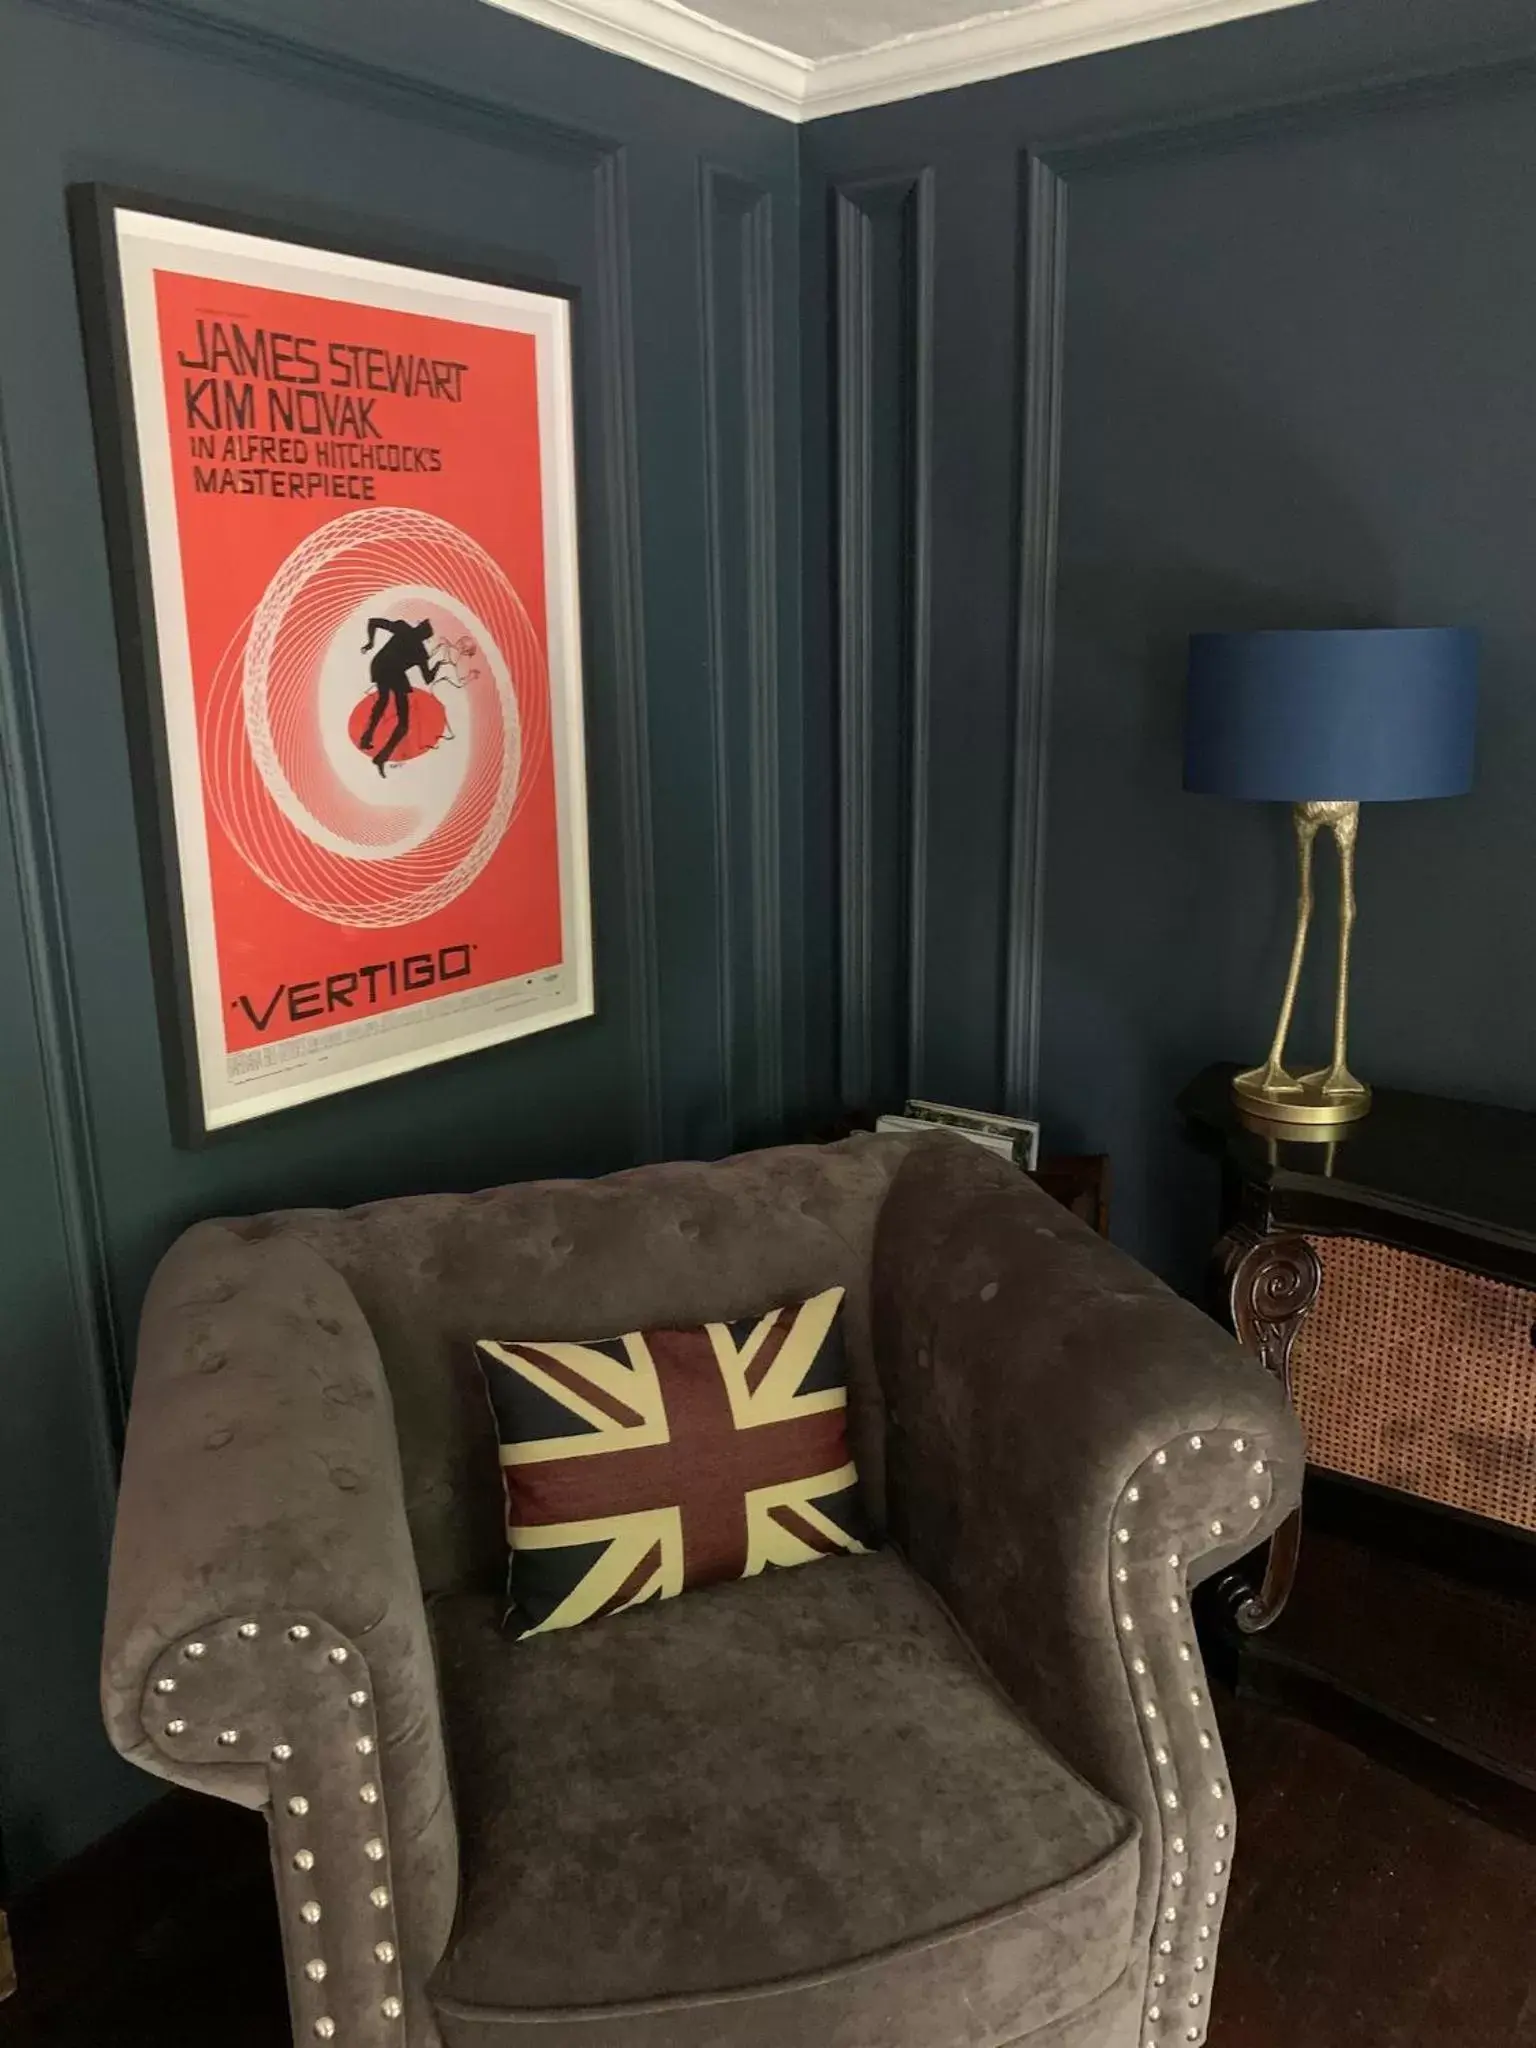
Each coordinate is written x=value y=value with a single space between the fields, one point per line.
x=1326 y=721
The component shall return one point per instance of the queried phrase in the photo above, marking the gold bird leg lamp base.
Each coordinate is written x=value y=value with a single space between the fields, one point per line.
x=1331 y=1095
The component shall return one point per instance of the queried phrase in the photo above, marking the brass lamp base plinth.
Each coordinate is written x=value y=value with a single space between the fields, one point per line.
x=1318 y=1102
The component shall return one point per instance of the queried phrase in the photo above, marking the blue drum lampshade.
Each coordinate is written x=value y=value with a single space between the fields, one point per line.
x=1365 y=716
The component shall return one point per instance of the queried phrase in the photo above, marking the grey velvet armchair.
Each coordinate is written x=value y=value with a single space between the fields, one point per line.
x=962 y=1792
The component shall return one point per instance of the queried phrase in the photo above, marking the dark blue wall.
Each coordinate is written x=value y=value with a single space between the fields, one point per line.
x=674 y=212
x=1233 y=328
x=1275 y=283
x=1298 y=391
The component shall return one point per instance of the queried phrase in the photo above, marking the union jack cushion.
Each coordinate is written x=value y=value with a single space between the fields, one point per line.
x=638 y=1466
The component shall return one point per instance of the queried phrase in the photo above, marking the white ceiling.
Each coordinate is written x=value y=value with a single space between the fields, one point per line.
x=801 y=60
x=816 y=32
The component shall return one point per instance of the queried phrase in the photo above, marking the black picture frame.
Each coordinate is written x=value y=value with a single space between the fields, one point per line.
x=92 y=209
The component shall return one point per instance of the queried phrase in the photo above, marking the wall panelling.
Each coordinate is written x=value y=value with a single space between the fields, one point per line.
x=460 y=130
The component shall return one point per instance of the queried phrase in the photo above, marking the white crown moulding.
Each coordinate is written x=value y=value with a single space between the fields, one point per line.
x=688 y=44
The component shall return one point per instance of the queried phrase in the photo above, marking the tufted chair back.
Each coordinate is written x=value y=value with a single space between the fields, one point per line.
x=676 y=1244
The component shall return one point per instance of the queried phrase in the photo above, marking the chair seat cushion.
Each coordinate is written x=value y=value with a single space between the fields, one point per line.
x=787 y=1810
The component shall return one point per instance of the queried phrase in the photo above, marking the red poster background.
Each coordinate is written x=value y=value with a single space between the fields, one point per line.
x=231 y=545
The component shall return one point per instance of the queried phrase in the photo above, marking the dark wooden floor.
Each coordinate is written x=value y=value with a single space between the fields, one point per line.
x=163 y=1936
x=1366 y=1912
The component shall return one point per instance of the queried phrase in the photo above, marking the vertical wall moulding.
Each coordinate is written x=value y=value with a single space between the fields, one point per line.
x=736 y=288
x=882 y=250
x=854 y=660
x=619 y=458
x=23 y=779
x=920 y=601
x=1042 y=319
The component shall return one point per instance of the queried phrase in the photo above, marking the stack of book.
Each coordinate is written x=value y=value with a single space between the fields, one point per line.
x=1012 y=1137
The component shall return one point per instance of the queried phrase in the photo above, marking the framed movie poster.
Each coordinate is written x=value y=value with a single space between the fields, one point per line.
x=341 y=498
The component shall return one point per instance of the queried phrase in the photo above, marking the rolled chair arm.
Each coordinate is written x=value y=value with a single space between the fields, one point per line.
x=1071 y=1448
x=266 y=1639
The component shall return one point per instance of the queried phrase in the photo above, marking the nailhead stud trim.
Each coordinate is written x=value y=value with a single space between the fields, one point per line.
x=1140 y=1560
x=223 y=1717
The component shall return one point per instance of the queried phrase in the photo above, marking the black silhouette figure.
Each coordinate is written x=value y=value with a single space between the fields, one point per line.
x=390 y=669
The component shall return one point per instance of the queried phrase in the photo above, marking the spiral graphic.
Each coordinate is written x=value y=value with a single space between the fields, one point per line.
x=284 y=777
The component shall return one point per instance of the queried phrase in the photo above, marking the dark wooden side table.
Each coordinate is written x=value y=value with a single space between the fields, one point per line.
x=1388 y=1278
